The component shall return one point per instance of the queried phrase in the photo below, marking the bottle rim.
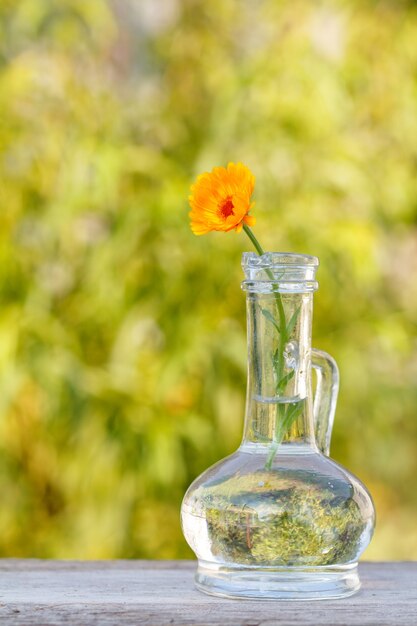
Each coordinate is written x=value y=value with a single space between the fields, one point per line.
x=274 y=259
x=284 y=272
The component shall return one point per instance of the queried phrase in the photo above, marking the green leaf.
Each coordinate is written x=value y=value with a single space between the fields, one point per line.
x=284 y=381
x=271 y=319
x=293 y=411
x=291 y=324
x=275 y=356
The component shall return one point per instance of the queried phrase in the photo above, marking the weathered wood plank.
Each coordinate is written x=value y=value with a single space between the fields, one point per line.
x=162 y=593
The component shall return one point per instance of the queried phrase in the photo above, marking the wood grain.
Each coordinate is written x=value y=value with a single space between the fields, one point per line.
x=162 y=593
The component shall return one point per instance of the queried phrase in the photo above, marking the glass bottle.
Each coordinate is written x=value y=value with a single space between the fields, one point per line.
x=278 y=518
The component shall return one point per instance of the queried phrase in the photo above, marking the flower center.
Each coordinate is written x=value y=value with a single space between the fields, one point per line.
x=226 y=208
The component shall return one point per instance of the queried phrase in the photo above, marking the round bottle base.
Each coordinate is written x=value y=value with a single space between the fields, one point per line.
x=277 y=583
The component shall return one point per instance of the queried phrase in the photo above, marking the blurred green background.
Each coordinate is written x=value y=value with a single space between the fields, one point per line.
x=122 y=335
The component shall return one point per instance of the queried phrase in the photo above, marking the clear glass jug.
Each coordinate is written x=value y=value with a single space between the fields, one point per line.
x=278 y=518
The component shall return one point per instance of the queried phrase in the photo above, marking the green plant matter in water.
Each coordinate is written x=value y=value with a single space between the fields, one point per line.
x=289 y=519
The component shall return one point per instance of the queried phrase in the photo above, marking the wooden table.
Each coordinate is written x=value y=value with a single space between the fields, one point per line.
x=162 y=592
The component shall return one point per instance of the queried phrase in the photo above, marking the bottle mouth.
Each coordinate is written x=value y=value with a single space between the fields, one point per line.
x=284 y=272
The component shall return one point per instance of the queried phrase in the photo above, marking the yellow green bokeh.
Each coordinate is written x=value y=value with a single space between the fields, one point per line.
x=122 y=335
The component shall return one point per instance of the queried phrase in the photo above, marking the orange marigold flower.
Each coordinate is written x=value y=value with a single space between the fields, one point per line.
x=220 y=199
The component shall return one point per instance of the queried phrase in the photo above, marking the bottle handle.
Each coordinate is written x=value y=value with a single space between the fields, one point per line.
x=325 y=398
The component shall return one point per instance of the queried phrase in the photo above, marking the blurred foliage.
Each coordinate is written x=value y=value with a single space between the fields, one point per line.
x=122 y=336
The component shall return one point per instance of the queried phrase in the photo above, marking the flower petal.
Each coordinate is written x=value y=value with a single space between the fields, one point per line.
x=250 y=220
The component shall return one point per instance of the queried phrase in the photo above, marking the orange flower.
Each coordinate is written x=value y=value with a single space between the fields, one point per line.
x=220 y=199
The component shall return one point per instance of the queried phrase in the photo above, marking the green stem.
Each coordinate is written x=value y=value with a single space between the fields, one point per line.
x=253 y=239
x=278 y=299
x=279 y=432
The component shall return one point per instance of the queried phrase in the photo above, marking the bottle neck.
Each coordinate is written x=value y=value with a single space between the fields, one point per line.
x=279 y=396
